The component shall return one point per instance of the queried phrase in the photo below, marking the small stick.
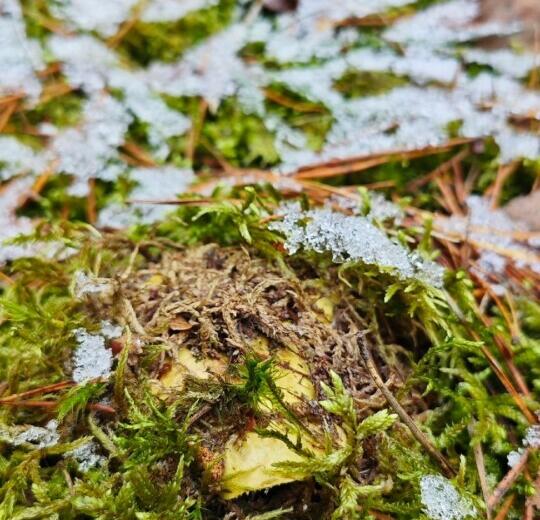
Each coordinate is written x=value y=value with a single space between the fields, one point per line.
x=481 y=468
x=403 y=415
x=504 y=485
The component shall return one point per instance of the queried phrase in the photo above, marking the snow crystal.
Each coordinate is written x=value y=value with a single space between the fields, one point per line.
x=109 y=330
x=149 y=108
x=10 y=224
x=86 y=15
x=153 y=184
x=19 y=56
x=87 y=456
x=442 y=501
x=445 y=23
x=349 y=238
x=382 y=209
x=90 y=73
x=514 y=457
x=91 y=359
x=16 y=158
x=89 y=150
x=329 y=10
x=171 y=10
x=211 y=70
x=86 y=284
x=420 y=64
x=101 y=68
x=38 y=436
x=503 y=60
x=532 y=437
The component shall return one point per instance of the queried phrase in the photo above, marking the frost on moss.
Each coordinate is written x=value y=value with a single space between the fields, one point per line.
x=38 y=436
x=351 y=238
x=87 y=456
x=442 y=501
x=20 y=57
x=91 y=359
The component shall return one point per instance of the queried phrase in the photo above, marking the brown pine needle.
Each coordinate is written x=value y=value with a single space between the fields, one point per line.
x=96 y=407
x=37 y=391
x=506 y=483
x=7 y=113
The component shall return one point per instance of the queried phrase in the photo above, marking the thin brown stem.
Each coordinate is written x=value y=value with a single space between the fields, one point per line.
x=403 y=415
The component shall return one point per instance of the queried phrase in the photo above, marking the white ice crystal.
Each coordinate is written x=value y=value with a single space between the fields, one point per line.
x=445 y=23
x=171 y=10
x=86 y=61
x=90 y=149
x=149 y=108
x=351 y=238
x=532 y=437
x=153 y=184
x=514 y=457
x=100 y=68
x=109 y=330
x=87 y=284
x=211 y=70
x=382 y=209
x=509 y=63
x=38 y=436
x=442 y=501
x=17 y=158
x=86 y=15
x=20 y=57
x=87 y=456
x=329 y=10
x=91 y=359
x=10 y=224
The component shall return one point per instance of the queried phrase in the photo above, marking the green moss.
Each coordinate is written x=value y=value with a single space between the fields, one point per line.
x=167 y=41
x=356 y=83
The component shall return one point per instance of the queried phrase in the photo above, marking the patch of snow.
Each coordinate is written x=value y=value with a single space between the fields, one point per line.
x=87 y=456
x=86 y=61
x=351 y=238
x=514 y=457
x=17 y=158
x=532 y=437
x=90 y=149
x=442 y=501
x=109 y=330
x=85 y=284
x=20 y=57
x=153 y=184
x=512 y=64
x=211 y=70
x=85 y=15
x=38 y=436
x=91 y=359
x=171 y=10
x=446 y=23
